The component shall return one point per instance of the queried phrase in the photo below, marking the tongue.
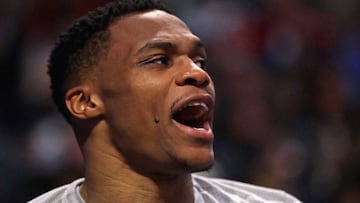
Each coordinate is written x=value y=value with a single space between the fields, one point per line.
x=193 y=116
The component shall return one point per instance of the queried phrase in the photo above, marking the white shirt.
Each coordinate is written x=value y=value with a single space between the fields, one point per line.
x=206 y=190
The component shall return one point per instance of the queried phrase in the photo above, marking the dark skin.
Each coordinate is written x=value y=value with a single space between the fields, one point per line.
x=134 y=149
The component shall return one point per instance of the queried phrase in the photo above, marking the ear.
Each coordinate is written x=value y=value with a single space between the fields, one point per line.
x=83 y=102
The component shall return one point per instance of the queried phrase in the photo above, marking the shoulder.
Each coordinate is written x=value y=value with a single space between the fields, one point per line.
x=233 y=191
x=62 y=194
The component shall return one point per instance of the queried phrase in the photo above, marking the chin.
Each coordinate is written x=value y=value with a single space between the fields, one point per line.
x=191 y=159
x=201 y=168
x=197 y=164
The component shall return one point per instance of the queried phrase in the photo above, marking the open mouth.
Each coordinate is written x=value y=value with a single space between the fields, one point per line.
x=195 y=113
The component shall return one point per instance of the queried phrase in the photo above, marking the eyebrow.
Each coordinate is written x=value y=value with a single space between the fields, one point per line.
x=165 y=46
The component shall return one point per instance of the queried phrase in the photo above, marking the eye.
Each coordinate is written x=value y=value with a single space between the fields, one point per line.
x=159 y=59
x=201 y=63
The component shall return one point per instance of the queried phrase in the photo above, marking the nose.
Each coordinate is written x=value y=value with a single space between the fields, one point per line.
x=193 y=76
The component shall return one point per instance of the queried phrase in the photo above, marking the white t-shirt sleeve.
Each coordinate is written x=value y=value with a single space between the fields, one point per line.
x=65 y=194
x=212 y=190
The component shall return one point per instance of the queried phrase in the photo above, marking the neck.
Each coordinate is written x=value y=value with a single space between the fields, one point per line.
x=109 y=179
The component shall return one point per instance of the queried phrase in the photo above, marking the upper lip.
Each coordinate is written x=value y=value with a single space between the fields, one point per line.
x=207 y=99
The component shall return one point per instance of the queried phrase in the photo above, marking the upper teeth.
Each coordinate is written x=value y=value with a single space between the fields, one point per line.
x=197 y=104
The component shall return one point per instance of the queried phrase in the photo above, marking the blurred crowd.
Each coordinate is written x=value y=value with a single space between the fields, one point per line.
x=287 y=77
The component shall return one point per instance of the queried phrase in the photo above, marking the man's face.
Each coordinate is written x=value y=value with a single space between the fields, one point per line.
x=158 y=99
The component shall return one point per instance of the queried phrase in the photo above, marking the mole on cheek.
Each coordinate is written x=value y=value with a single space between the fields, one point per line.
x=156 y=119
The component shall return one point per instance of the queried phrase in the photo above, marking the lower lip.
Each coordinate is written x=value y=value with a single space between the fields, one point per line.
x=205 y=133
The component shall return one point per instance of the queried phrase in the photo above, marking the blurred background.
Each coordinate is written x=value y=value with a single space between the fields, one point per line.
x=287 y=75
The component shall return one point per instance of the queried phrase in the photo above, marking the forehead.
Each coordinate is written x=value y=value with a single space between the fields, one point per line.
x=135 y=30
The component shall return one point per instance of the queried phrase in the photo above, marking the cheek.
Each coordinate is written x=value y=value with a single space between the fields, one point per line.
x=137 y=100
x=153 y=91
x=130 y=109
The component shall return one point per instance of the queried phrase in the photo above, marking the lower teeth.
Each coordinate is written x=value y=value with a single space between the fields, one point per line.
x=202 y=129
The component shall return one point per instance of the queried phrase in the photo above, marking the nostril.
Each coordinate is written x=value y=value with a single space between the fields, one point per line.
x=200 y=82
x=195 y=78
x=191 y=81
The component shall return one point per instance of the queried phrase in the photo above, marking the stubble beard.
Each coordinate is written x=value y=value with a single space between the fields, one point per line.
x=185 y=165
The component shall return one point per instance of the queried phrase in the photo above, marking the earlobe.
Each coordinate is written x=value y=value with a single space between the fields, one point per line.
x=83 y=103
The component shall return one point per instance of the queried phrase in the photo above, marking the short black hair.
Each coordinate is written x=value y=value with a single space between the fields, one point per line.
x=82 y=45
